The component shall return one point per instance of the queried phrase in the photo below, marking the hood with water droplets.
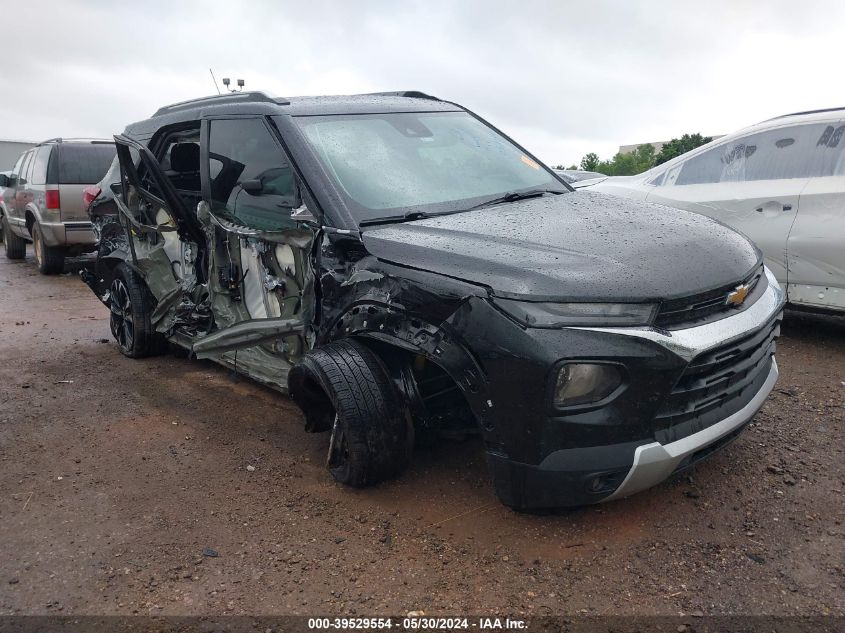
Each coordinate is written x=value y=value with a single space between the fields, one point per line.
x=576 y=246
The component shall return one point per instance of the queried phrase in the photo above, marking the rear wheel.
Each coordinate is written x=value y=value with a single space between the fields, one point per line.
x=131 y=306
x=14 y=245
x=345 y=388
x=50 y=259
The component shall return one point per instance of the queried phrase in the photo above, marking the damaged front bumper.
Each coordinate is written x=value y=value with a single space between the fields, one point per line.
x=636 y=454
x=655 y=462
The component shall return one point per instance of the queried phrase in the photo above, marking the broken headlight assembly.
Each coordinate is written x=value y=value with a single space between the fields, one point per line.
x=556 y=315
x=585 y=383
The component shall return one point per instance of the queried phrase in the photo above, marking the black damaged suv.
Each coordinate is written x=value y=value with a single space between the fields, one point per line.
x=401 y=267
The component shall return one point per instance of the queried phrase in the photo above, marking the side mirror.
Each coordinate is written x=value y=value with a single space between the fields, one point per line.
x=273 y=183
x=4 y=180
x=253 y=187
x=204 y=213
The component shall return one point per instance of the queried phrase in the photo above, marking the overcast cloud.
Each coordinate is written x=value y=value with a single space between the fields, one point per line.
x=563 y=78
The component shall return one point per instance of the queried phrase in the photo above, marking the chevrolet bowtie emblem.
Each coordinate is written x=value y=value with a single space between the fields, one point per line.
x=737 y=295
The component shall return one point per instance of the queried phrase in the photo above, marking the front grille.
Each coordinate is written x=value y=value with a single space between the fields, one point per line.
x=717 y=384
x=705 y=306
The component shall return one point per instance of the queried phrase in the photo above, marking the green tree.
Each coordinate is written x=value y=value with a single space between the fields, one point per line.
x=590 y=162
x=627 y=164
x=678 y=146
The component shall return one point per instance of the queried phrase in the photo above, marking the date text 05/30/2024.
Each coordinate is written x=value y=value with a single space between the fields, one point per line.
x=421 y=623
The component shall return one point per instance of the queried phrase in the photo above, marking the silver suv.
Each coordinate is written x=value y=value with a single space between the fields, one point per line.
x=780 y=182
x=43 y=200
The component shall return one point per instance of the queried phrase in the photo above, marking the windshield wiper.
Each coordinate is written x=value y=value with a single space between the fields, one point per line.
x=391 y=219
x=513 y=196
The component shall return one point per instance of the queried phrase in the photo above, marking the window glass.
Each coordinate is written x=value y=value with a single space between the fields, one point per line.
x=420 y=161
x=25 y=167
x=39 y=165
x=113 y=173
x=801 y=151
x=19 y=165
x=181 y=164
x=243 y=151
x=829 y=157
x=80 y=163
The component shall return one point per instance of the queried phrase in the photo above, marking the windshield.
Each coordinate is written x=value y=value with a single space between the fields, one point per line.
x=420 y=162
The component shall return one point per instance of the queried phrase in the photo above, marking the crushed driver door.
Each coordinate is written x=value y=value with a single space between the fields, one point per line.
x=260 y=281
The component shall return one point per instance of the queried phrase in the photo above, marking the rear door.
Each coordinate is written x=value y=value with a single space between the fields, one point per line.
x=816 y=248
x=10 y=193
x=23 y=193
x=751 y=183
x=73 y=167
x=153 y=216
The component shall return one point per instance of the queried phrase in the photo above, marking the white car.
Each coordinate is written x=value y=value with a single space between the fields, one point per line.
x=781 y=183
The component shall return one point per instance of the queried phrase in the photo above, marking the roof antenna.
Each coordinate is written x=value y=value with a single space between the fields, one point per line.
x=214 y=79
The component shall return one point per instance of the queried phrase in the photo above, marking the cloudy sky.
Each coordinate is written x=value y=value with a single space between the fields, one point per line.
x=564 y=78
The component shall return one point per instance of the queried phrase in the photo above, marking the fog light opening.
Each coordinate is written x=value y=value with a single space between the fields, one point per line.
x=584 y=383
x=596 y=484
x=604 y=483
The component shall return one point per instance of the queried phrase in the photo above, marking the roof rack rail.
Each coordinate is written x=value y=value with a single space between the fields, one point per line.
x=232 y=97
x=411 y=94
x=79 y=139
x=782 y=116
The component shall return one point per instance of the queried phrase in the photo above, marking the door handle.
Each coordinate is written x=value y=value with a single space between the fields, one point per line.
x=771 y=205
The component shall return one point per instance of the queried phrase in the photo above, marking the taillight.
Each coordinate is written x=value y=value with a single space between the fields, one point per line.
x=51 y=197
x=89 y=194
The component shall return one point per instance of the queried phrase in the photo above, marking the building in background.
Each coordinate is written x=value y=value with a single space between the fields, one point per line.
x=9 y=152
x=658 y=145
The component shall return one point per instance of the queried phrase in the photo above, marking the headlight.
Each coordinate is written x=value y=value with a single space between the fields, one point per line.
x=553 y=315
x=582 y=383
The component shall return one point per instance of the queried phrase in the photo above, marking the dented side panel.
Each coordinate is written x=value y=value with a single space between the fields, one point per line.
x=239 y=296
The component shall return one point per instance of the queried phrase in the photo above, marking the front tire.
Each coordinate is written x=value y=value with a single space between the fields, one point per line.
x=344 y=386
x=50 y=259
x=130 y=306
x=14 y=245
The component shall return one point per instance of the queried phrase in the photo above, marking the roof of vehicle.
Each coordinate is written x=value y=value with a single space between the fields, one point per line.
x=52 y=141
x=263 y=103
x=807 y=112
x=810 y=116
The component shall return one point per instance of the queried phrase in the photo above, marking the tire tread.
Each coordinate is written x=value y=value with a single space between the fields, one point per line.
x=14 y=245
x=53 y=262
x=362 y=394
x=147 y=341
